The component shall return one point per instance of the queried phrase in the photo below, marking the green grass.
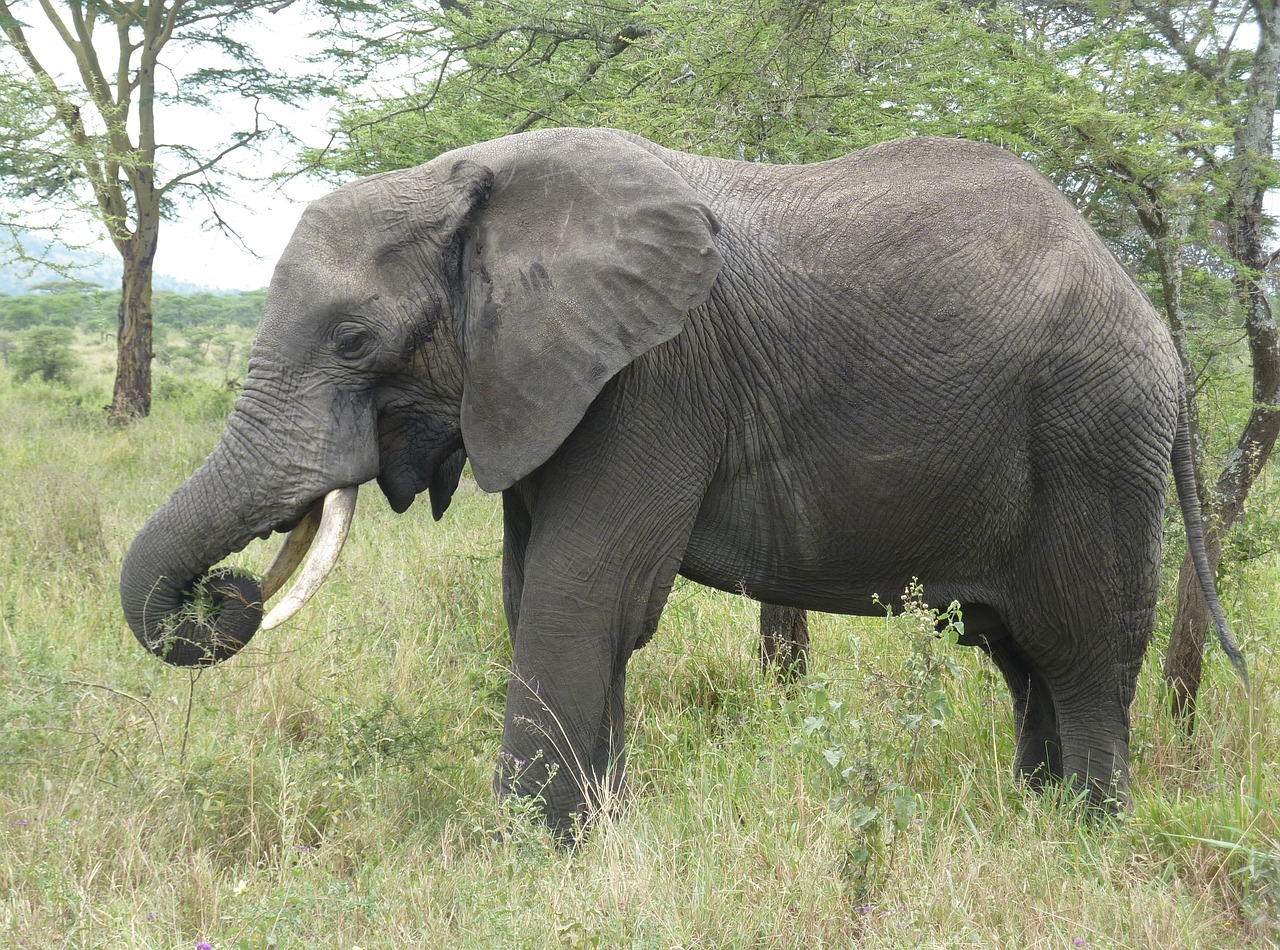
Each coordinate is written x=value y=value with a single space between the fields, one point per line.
x=330 y=787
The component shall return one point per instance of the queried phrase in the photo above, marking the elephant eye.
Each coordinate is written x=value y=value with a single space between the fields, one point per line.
x=352 y=342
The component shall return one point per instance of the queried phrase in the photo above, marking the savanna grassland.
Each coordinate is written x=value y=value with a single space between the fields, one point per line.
x=330 y=786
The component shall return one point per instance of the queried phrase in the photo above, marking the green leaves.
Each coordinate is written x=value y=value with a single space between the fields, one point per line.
x=44 y=351
x=1098 y=99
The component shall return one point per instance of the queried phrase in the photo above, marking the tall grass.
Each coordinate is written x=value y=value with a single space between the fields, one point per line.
x=331 y=785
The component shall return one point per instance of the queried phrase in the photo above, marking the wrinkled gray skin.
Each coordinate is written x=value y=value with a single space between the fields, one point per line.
x=809 y=383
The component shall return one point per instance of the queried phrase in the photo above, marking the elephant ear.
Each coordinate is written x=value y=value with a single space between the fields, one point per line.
x=589 y=252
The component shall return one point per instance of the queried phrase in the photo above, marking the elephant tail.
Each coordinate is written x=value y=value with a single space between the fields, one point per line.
x=1185 y=481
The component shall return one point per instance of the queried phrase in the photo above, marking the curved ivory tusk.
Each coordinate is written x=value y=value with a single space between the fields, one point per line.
x=296 y=545
x=335 y=522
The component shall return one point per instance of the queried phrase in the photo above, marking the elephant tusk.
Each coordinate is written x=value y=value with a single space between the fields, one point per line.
x=296 y=545
x=335 y=522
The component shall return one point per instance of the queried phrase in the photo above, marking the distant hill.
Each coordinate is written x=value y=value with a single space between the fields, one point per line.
x=82 y=265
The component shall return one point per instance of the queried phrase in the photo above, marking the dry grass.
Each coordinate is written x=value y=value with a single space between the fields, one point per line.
x=330 y=787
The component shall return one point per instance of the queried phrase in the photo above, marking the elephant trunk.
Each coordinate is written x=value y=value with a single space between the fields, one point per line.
x=181 y=607
x=190 y=612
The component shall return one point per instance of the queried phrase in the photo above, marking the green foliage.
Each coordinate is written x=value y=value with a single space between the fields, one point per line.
x=45 y=352
x=93 y=310
x=60 y=308
x=25 y=171
x=204 y=310
x=772 y=80
x=1090 y=92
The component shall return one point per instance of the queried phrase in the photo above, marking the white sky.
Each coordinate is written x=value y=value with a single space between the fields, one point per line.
x=264 y=214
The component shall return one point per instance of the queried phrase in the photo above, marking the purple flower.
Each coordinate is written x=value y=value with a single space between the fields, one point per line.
x=204 y=945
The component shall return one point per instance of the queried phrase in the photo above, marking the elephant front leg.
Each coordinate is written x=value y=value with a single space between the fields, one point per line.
x=567 y=756
x=578 y=610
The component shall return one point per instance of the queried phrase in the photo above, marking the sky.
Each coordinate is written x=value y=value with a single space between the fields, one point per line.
x=192 y=249
x=264 y=214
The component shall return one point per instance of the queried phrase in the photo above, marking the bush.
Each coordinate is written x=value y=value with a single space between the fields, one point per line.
x=196 y=399
x=44 y=351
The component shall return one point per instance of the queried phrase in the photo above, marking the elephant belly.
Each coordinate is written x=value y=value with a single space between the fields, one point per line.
x=790 y=530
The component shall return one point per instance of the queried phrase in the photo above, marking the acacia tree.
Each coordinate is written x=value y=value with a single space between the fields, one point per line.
x=1245 y=84
x=103 y=138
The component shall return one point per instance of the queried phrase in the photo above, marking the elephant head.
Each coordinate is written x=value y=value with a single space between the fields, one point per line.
x=470 y=307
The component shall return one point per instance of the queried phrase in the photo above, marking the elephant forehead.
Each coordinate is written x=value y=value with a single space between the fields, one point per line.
x=369 y=217
x=309 y=277
x=337 y=228
x=311 y=286
x=333 y=250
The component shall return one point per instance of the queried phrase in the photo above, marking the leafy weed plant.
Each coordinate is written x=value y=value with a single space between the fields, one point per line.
x=871 y=767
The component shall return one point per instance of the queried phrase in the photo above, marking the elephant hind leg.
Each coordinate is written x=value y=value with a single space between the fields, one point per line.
x=1089 y=589
x=1093 y=710
x=784 y=642
x=1038 y=761
x=1072 y=727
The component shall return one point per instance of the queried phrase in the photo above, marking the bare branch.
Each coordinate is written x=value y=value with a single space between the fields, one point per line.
x=245 y=139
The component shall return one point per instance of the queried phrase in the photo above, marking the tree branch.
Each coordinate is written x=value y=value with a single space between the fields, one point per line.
x=621 y=43
x=246 y=139
x=105 y=189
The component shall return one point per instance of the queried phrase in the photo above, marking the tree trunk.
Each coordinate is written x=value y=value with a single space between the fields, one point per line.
x=784 y=642
x=1183 y=663
x=132 y=396
x=1246 y=238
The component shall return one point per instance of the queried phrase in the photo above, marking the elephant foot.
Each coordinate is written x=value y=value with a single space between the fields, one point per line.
x=569 y=801
x=1039 y=765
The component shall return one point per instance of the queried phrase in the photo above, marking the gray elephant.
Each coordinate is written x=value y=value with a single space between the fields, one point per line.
x=808 y=383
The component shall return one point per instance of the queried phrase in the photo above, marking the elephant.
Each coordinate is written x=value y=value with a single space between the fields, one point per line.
x=810 y=383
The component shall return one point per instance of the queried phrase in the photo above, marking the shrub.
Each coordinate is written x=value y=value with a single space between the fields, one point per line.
x=197 y=400
x=46 y=352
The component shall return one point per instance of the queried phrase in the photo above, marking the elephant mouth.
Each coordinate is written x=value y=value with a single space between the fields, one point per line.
x=321 y=533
